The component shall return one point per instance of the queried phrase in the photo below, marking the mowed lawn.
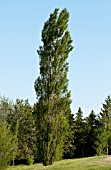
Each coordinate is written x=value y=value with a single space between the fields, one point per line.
x=91 y=163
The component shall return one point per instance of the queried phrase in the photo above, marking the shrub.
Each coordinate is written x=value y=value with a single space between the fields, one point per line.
x=30 y=160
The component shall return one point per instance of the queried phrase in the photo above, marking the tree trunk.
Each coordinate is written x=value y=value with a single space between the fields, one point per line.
x=13 y=161
x=107 y=150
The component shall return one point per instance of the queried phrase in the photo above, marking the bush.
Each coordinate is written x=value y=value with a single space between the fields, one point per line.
x=30 y=160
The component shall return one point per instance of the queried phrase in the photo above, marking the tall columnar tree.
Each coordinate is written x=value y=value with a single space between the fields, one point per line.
x=52 y=86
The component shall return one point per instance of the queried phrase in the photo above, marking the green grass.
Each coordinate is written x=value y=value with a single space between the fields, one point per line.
x=91 y=163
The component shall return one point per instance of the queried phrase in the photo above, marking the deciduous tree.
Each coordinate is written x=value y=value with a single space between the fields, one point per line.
x=52 y=86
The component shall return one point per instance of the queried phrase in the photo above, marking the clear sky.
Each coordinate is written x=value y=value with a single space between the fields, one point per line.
x=21 y=22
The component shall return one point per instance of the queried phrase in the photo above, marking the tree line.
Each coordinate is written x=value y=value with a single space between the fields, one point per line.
x=48 y=130
x=20 y=139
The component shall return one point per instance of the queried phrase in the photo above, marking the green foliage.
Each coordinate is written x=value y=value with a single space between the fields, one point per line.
x=52 y=87
x=101 y=141
x=26 y=131
x=22 y=125
x=7 y=144
x=91 y=136
x=5 y=107
x=15 y=142
x=8 y=139
x=30 y=160
x=69 y=145
x=104 y=134
x=106 y=114
x=80 y=138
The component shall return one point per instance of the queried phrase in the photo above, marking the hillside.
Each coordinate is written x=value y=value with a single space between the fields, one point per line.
x=91 y=163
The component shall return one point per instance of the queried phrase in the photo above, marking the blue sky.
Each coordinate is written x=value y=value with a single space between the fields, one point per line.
x=89 y=75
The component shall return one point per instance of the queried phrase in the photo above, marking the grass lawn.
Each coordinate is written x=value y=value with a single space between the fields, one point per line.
x=91 y=163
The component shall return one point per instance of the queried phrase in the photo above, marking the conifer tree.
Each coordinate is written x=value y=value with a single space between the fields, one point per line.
x=79 y=134
x=52 y=86
x=91 y=126
x=106 y=113
x=106 y=121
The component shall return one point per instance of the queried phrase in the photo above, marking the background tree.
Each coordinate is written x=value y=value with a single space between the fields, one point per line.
x=91 y=126
x=26 y=130
x=69 y=146
x=101 y=141
x=21 y=116
x=80 y=138
x=52 y=86
x=105 y=118
x=6 y=145
x=15 y=142
x=6 y=107
x=21 y=123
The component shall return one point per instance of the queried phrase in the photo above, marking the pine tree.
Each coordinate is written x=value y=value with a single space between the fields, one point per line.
x=105 y=115
x=79 y=134
x=91 y=126
x=52 y=86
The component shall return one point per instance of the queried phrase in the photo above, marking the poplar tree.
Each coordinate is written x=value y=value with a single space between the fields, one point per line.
x=51 y=87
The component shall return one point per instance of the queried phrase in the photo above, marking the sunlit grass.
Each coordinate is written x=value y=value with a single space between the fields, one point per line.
x=91 y=163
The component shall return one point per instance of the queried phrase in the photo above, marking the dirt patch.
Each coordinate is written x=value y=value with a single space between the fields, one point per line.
x=108 y=159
